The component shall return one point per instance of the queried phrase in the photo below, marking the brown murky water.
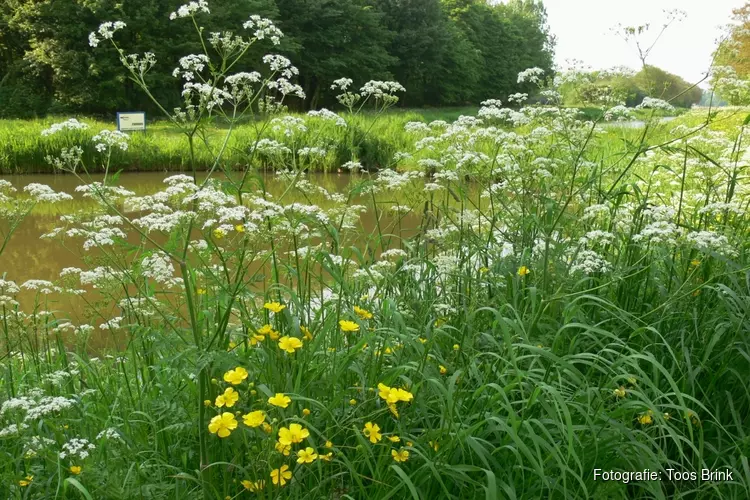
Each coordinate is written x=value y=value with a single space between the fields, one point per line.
x=29 y=257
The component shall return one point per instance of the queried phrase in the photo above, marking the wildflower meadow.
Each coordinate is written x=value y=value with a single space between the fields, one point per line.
x=537 y=295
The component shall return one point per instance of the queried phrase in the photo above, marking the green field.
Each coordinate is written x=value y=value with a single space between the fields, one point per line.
x=162 y=147
x=372 y=138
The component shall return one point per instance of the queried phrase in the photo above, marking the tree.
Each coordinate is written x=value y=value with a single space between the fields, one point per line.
x=445 y=52
x=336 y=38
x=734 y=52
x=57 y=34
x=668 y=87
x=508 y=38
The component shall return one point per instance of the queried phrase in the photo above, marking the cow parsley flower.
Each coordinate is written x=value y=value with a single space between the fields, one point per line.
x=190 y=9
x=42 y=286
x=106 y=32
x=709 y=241
x=77 y=448
x=108 y=139
x=159 y=268
x=530 y=75
x=263 y=28
x=44 y=193
x=111 y=434
x=589 y=262
x=654 y=103
x=328 y=115
x=70 y=124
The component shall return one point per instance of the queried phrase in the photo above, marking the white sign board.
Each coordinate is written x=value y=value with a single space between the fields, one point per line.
x=128 y=122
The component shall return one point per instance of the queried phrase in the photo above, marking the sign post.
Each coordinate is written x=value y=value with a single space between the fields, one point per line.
x=131 y=121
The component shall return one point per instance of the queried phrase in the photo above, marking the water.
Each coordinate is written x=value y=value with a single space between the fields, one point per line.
x=638 y=123
x=29 y=257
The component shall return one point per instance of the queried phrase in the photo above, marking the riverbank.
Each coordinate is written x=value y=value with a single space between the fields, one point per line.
x=372 y=140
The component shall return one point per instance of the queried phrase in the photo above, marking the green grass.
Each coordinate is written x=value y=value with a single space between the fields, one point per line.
x=162 y=148
x=523 y=382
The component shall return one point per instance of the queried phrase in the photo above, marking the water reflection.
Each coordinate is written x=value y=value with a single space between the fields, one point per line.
x=29 y=257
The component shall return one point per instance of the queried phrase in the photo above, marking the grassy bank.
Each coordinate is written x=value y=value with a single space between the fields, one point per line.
x=370 y=138
x=162 y=147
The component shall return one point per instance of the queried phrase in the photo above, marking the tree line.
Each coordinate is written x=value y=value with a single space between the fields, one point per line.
x=445 y=52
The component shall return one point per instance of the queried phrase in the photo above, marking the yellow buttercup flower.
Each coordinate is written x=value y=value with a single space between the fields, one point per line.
x=305 y=412
x=352 y=401
x=434 y=445
x=348 y=326
x=289 y=344
x=267 y=428
x=253 y=486
x=646 y=418
x=274 y=307
x=293 y=434
x=228 y=399
x=201 y=291
x=239 y=228
x=280 y=400
x=328 y=444
x=619 y=392
x=219 y=233
x=25 y=481
x=695 y=262
x=392 y=408
x=254 y=418
x=362 y=313
x=206 y=402
x=268 y=330
x=306 y=333
x=284 y=449
x=394 y=439
x=456 y=347
x=281 y=475
x=254 y=339
x=327 y=456
x=222 y=425
x=523 y=271
x=76 y=469
x=400 y=456
x=443 y=370
x=389 y=394
x=422 y=340
x=392 y=395
x=306 y=456
x=372 y=431
x=236 y=376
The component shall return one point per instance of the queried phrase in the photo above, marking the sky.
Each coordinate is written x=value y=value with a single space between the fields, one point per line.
x=582 y=28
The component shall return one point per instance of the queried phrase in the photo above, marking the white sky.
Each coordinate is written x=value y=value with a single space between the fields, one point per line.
x=583 y=32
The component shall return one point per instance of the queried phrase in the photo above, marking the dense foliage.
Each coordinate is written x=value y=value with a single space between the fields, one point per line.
x=540 y=300
x=446 y=52
x=622 y=85
x=731 y=73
